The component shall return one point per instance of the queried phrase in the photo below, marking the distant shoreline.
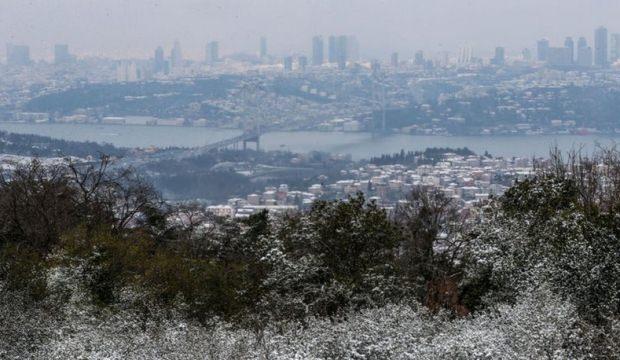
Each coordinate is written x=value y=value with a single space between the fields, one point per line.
x=602 y=134
x=359 y=145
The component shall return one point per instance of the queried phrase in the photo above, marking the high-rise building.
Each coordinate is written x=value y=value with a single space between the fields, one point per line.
x=212 y=54
x=466 y=55
x=584 y=57
x=263 y=47
x=394 y=59
x=342 y=51
x=303 y=63
x=128 y=71
x=419 y=58
x=582 y=43
x=159 y=63
x=375 y=67
x=600 y=47
x=288 y=63
x=542 y=49
x=614 y=48
x=500 y=56
x=176 y=56
x=443 y=60
x=17 y=55
x=61 y=54
x=332 y=49
x=584 y=53
x=317 y=51
x=526 y=54
x=570 y=45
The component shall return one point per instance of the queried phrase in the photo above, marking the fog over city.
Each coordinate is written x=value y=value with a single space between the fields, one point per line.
x=310 y=179
x=133 y=28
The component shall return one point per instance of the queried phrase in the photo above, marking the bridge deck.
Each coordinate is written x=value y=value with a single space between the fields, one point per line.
x=193 y=152
x=228 y=142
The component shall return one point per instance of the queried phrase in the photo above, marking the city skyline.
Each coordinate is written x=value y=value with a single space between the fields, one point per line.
x=343 y=48
x=124 y=29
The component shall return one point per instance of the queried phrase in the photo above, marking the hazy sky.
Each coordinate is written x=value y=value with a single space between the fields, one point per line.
x=123 y=28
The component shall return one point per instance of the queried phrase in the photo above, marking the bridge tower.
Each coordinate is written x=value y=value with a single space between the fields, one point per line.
x=251 y=92
x=379 y=99
x=252 y=139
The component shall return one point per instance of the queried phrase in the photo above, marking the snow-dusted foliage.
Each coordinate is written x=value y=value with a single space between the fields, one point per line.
x=536 y=275
x=539 y=325
x=558 y=243
x=560 y=230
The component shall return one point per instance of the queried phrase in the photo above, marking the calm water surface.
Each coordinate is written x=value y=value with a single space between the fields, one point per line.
x=358 y=145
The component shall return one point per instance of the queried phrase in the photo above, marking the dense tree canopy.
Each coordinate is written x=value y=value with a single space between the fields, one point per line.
x=94 y=264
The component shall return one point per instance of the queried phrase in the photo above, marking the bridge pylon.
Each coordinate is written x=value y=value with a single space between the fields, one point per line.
x=255 y=138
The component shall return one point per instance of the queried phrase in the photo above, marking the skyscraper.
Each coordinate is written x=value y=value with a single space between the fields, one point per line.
x=584 y=53
x=17 y=55
x=317 y=51
x=375 y=67
x=263 y=47
x=500 y=57
x=582 y=43
x=570 y=45
x=212 y=54
x=332 y=49
x=176 y=56
x=600 y=47
x=466 y=55
x=394 y=60
x=288 y=63
x=128 y=71
x=342 y=51
x=614 y=48
x=159 y=63
x=542 y=49
x=61 y=54
x=303 y=63
x=419 y=58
